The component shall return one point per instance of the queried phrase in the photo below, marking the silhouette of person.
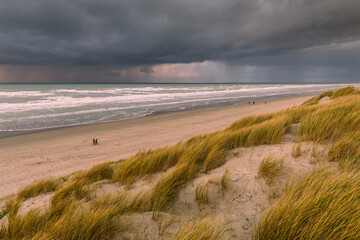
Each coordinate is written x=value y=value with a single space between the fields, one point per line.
x=253 y=102
x=94 y=141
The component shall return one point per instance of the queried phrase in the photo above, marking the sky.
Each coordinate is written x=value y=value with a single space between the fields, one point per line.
x=187 y=41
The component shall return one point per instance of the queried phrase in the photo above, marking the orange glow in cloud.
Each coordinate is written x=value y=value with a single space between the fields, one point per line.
x=181 y=70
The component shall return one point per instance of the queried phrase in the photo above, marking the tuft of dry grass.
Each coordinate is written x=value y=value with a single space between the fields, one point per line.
x=124 y=202
x=95 y=223
x=167 y=187
x=269 y=132
x=75 y=220
x=39 y=187
x=26 y=226
x=250 y=121
x=148 y=162
x=315 y=153
x=72 y=190
x=97 y=173
x=216 y=158
x=349 y=90
x=77 y=188
x=346 y=151
x=316 y=99
x=271 y=167
x=202 y=193
x=324 y=205
x=3 y=213
x=225 y=179
x=206 y=228
x=331 y=122
x=12 y=206
x=296 y=151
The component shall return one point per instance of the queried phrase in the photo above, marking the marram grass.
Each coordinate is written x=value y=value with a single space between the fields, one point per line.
x=224 y=181
x=206 y=228
x=149 y=162
x=202 y=193
x=346 y=151
x=39 y=187
x=271 y=167
x=324 y=205
x=333 y=121
x=296 y=151
x=316 y=99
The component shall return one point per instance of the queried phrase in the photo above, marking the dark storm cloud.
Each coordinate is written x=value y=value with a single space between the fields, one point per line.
x=143 y=32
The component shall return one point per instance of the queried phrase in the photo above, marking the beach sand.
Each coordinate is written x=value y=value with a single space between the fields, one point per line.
x=24 y=159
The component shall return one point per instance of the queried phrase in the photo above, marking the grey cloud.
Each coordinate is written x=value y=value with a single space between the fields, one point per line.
x=143 y=32
x=146 y=69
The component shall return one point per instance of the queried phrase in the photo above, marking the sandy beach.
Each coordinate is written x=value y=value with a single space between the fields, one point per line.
x=27 y=158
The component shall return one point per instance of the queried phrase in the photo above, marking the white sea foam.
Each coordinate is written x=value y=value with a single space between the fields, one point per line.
x=26 y=107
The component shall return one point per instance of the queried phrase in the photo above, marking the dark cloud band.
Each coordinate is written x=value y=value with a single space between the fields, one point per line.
x=143 y=32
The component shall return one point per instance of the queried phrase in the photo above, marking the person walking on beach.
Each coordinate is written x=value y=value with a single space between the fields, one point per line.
x=94 y=142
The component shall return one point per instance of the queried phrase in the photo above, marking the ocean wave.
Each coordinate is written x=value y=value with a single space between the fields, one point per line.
x=71 y=101
x=51 y=107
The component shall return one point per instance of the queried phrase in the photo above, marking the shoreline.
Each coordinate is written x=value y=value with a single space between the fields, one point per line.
x=17 y=133
x=63 y=151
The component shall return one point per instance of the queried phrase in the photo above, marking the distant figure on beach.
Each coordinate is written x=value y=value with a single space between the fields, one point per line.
x=265 y=102
x=253 y=102
x=249 y=102
x=95 y=141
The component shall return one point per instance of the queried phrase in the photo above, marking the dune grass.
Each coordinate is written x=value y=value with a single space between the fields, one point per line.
x=124 y=202
x=317 y=98
x=72 y=190
x=75 y=220
x=324 y=205
x=148 y=162
x=271 y=167
x=39 y=187
x=3 y=213
x=349 y=90
x=216 y=158
x=73 y=214
x=74 y=223
x=331 y=122
x=63 y=209
x=224 y=181
x=202 y=193
x=96 y=173
x=249 y=121
x=346 y=151
x=197 y=157
x=206 y=228
x=296 y=151
x=26 y=226
x=95 y=223
x=77 y=187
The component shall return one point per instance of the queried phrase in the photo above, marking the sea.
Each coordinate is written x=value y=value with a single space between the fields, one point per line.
x=26 y=108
